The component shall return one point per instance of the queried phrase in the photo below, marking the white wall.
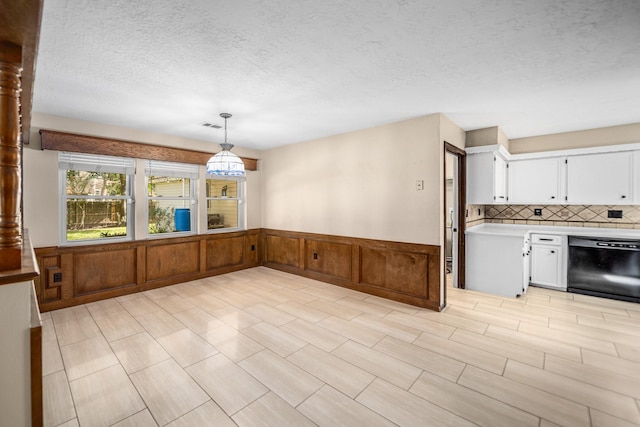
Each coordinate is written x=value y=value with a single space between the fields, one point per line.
x=40 y=174
x=359 y=184
x=15 y=369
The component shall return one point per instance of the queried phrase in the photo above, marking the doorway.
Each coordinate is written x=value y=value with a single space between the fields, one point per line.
x=454 y=206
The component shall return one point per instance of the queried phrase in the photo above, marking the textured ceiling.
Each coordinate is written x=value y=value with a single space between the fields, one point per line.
x=291 y=71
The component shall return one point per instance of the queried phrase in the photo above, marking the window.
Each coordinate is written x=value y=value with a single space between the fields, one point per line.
x=97 y=192
x=171 y=197
x=225 y=196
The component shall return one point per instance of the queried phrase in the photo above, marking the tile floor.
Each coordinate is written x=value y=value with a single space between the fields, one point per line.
x=262 y=347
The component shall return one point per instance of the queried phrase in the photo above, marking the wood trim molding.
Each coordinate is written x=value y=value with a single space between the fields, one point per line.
x=20 y=26
x=462 y=205
x=64 y=141
x=35 y=337
x=28 y=268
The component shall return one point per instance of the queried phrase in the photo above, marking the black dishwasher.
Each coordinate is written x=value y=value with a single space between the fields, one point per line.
x=603 y=267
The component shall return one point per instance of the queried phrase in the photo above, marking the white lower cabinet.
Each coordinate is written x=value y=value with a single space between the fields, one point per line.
x=547 y=261
x=495 y=263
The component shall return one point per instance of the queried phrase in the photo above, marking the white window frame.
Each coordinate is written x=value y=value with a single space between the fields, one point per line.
x=242 y=224
x=96 y=163
x=173 y=170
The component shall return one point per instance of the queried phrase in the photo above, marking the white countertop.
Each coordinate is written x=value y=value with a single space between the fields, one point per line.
x=521 y=230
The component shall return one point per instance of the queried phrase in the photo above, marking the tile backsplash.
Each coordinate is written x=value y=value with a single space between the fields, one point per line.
x=475 y=214
x=562 y=215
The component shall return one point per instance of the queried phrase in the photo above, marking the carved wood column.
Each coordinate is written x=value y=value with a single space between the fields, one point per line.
x=10 y=158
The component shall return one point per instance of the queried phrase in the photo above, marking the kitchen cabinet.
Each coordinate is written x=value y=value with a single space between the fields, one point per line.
x=536 y=181
x=486 y=178
x=603 y=178
x=496 y=261
x=547 y=261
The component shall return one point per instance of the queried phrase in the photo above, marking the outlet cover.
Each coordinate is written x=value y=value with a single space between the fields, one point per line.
x=614 y=213
x=537 y=212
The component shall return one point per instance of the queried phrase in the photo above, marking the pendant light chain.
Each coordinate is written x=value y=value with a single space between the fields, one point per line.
x=226 y=146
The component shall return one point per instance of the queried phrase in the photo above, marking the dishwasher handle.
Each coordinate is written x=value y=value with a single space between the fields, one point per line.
x=605 y=244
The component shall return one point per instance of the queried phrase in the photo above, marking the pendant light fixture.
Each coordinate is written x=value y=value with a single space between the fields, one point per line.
x=225 y=163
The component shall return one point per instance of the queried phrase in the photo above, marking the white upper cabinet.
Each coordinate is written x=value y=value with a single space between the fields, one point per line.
x=536 y=181
x=608 y=175
x=603 y=178
x=499 y=179
x=486 y=178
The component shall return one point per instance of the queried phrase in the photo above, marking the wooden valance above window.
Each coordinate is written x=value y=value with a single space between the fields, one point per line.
x=63 y=141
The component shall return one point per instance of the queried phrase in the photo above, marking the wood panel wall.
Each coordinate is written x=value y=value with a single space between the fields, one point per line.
x=404 y=272
x=73 y=275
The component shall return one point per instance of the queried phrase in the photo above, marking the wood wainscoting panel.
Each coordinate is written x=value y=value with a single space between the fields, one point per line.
x=397 y=271
x=104 y=270
x=404 y=272
x=56 y=281
x=282 y=250
x=225 y=252
x=51 y=280
x=329 y=258
x=79 y=274
x=252 y=248
x=165 y=261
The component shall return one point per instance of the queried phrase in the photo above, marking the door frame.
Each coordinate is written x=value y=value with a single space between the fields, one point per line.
x=461 y=178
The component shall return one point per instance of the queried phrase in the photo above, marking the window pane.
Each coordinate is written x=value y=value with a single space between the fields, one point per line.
x=95 y=183
x=222 y=214
x=167 y=216
x=96 y=219
x=166 y=186
x=222 y=188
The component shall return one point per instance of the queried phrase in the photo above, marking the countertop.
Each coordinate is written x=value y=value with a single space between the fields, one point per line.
x=522 y=230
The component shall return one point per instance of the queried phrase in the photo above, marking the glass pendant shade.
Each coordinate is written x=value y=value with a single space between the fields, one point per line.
x=225 y=163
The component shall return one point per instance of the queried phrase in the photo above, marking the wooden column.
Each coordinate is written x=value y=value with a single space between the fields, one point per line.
x=10 y=158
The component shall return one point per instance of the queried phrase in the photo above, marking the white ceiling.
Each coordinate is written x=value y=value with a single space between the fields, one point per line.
x=294 y=70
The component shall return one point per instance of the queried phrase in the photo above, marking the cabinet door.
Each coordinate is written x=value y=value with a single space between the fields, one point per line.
x=535 y=181
x=480 y=178
x=499 y=179
x=546 y=265
x=599 y=178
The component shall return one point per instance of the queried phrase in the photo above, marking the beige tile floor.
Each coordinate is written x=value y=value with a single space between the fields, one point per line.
x=262 y=347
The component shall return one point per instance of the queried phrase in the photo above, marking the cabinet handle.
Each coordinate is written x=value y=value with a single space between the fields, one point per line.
x=553 y=197
x=623 y=197
x=553 y=252
x=500 y=197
